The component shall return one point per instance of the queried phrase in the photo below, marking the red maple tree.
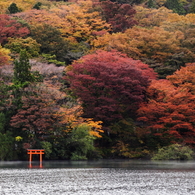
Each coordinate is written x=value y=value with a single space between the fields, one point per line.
x=110 y=85
x=35 y=119
x=120 y=16
x=11 y=28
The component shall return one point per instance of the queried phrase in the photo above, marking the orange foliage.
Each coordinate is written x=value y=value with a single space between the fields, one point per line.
x=37 y=17
x=169 y=111
x=185 y=78
x=76 y=22
x=83 y=22
x=71 y=118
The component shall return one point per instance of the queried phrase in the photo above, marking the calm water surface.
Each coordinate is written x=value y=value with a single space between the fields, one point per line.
x=113 y=177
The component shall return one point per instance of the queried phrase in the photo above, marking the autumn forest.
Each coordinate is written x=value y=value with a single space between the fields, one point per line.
x=96 y=79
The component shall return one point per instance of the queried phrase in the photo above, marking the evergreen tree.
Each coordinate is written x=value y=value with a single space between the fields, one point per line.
x=150 y=4
x=22 y=70
x=22 y=77
x=13 y=8
x=192 y=7
x=6 y=146
x=176 y=6
x=37 y=5
x=3 y=95
x=2 y=122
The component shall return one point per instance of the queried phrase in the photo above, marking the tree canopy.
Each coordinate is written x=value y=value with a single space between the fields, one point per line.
x=109 y=84
x=11 y=28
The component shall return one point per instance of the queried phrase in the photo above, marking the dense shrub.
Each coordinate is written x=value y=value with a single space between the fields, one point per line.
x=6 y=147
x=81 y=142
x=18 y=44
x=174 y=152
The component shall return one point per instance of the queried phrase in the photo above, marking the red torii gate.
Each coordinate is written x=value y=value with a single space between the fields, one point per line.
x=35 y=151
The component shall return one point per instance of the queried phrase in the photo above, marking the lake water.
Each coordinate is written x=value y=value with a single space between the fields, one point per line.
x=104 y=177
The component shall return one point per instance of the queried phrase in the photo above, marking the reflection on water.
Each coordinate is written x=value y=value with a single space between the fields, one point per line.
x=114 y=163
x=105 y=177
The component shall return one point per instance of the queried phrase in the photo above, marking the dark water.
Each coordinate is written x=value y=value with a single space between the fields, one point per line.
x=113 y=177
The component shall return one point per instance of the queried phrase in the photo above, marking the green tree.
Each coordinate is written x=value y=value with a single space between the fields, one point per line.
x=22 y=70
x=4 y=95
x=37 y=5
x=174 y=152
x=22 y=77
x=47 y=146
x=2 y=122
x=6 y=146
x=18 y=44
x=176 y=6
x=151 y=4
x=131 y=2
x=50 y=40
x=13 y=8
x=81 y=142
x=192 y=7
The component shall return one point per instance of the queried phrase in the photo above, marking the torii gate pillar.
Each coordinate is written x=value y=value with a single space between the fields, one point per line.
x=35 y=151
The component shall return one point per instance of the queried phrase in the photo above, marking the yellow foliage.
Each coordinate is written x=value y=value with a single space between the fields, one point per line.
x=95 y=127
x=21 y=4
x=137 y=42
x=4 y=56
x=24 y=5
x=160 y=2
x=3 y=6
x=71 y=117
x=147 y=17
x=175 y=22
x=76 y=22
x=118 y=41
x=81 y=21
x=18 y=138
